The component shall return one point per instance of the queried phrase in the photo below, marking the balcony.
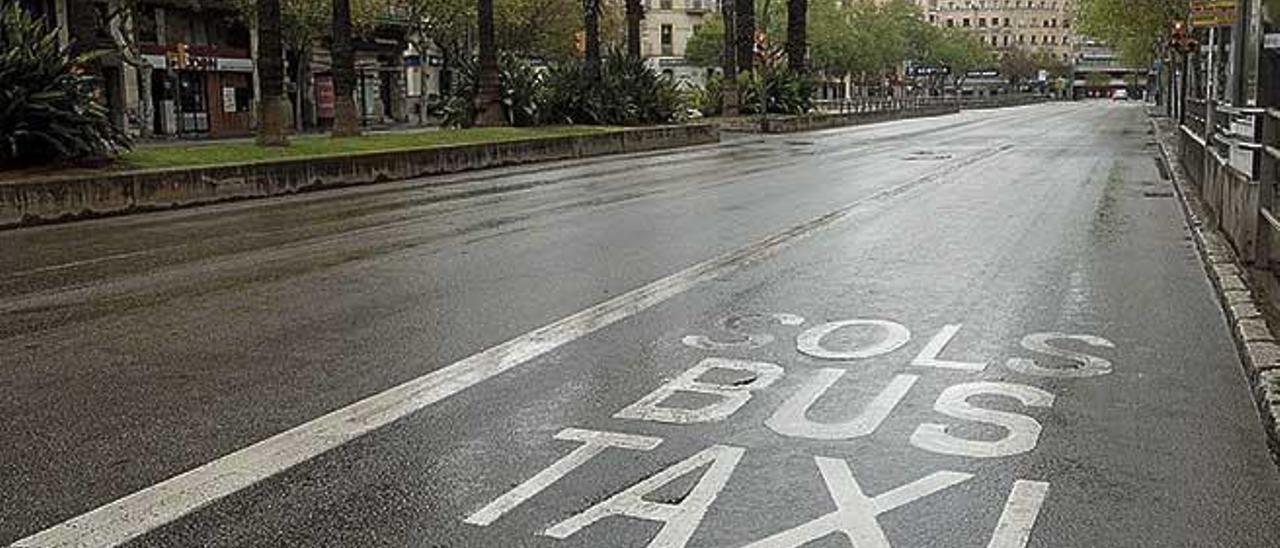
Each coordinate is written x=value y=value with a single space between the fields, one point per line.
x=697 y=7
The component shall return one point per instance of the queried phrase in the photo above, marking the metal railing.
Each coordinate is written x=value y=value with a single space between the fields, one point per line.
x=1268 y=181
x=858 y=105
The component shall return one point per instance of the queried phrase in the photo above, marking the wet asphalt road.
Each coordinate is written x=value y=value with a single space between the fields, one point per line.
x=134 y=349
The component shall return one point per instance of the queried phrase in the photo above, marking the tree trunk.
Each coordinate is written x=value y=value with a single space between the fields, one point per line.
x=489 y=94
x=591 y=23
x=797 y=41
x=346 y=122
x=635 y=13
x=729 y=59
x=746 y=24
x=272 y=114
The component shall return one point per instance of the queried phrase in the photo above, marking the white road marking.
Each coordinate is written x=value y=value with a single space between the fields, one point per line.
x=790 y=418
x=1090 y=366
x=893 y=335
x=133 y=515
x=1024 y=431
x=729 y=397
x=594 y=443
x=1019 y=516
x=928 y=356
x=749 y=340
x=681 y=519
x=855 y=514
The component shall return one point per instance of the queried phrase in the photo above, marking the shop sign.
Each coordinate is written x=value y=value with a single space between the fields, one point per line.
x=227 y=64
x=228 y=99
x=325 y=97
x=1213 y=13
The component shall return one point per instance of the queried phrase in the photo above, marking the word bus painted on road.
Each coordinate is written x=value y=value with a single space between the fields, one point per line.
x=856 y=512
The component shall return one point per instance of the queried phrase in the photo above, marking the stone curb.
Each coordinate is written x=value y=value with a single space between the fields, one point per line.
x=61 y=198
x=1255 y=341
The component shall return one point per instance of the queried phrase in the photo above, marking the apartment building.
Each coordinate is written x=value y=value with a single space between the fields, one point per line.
x=1034 y=25
x=667 y=27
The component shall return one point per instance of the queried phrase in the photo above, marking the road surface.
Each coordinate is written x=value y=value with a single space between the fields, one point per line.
x=985 y=329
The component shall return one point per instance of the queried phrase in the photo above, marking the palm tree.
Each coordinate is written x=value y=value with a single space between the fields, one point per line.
x=489 y=94
x=591 y=23
x=729 y=91
x=635 y=12
x=745 y=14
x=272 y=110
x=797 y=19
x=345 y=122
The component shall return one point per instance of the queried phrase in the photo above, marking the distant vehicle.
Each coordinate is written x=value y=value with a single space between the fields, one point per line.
x=1120 y=95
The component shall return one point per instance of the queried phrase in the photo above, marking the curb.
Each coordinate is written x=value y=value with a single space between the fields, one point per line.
x=62 y=198
x=1255 y=342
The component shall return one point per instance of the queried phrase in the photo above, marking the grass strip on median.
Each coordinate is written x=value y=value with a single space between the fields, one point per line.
x=241 y=151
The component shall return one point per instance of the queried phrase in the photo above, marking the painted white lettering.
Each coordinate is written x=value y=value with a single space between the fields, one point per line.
x=1089 y=366
x=892 y=336
x=790 y=418
x=728 y=397
x=680 y=520
x=593 y=443
x=1024 y=431
x=928 y=356
x=855 y=514
x=1019 y=516
x=745 y=340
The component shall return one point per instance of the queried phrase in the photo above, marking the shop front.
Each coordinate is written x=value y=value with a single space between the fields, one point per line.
x=201 y=90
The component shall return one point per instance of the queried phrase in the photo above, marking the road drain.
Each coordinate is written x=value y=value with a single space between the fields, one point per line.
x=1162 y=194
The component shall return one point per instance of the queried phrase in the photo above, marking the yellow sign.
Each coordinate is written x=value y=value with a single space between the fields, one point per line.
x=1213 y=13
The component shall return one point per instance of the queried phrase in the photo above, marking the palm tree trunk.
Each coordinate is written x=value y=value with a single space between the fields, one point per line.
x=797 y=41
x=745 y=16
x=635 y=13
x=345 y=120
x=272 y=116
x=591 y=23
x=489 y=94
x=729 y=59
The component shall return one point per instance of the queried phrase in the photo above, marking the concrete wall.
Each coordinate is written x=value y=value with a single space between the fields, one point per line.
x=1230 y=197
x=817 y=121
x=39 y=200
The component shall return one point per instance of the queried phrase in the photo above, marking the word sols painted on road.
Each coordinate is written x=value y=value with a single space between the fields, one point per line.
x=856 y=513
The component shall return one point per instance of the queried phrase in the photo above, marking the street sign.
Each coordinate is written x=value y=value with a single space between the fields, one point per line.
x=1212 y=13
x=927 y=71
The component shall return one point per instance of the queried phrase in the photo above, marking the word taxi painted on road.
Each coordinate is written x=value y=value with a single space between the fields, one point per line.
x=856 y=512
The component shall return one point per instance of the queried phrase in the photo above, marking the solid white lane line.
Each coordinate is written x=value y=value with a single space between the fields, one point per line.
x=136 y=514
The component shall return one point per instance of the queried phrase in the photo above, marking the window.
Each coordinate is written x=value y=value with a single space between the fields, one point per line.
x=666 y=40
x=965 y=23
x=664 y=4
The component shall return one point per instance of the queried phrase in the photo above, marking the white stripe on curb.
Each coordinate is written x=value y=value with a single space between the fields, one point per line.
x=134 y=515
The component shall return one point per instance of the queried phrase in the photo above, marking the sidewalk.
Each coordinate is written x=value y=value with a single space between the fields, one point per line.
x=1246 y=295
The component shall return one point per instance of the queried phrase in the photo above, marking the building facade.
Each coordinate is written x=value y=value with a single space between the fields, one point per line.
x=1039 y=26
x=666 y=29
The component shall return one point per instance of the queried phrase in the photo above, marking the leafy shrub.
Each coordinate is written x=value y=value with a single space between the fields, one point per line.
x=709 y=99
x=519 y=83
x=50 y=109
x=785 y=92
x=627 y=92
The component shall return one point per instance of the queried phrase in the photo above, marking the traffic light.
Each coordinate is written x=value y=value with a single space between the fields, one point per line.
x=1181 y=40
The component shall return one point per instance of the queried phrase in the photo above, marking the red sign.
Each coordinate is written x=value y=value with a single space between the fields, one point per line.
x=325 y=97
